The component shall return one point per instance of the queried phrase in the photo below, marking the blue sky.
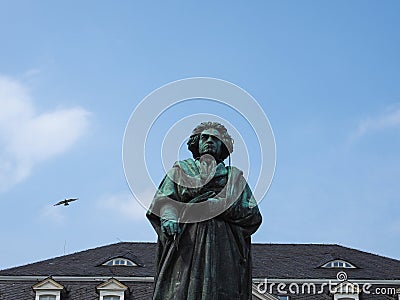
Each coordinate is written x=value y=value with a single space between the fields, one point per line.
x=71 y=73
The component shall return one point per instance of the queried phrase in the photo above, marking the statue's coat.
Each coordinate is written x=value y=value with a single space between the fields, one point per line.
x=208 y=260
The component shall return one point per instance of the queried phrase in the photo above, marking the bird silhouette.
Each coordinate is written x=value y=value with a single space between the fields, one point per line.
x=66 y=201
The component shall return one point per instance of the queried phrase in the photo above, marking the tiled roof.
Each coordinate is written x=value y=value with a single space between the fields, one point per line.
x=89 y=262
x=269 y=261
x=272 y=261
x=12 y=290
x=304 y=261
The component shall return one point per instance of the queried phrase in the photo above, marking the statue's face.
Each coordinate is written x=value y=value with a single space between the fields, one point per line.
x=209 y=143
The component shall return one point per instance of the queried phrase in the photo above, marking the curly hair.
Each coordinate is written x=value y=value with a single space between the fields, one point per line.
x=226 y=139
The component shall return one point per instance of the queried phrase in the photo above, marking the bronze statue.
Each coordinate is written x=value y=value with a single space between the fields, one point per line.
x=204 y=214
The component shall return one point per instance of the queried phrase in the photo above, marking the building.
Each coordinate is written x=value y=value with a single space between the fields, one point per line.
x=124 y=271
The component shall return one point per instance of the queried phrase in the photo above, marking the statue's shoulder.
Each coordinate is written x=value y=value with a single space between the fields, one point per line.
x=188 y=166
x=235 y=171
x=183 y=164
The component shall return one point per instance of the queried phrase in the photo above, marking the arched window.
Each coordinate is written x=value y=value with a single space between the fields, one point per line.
x=120 y=261
x=339 y=264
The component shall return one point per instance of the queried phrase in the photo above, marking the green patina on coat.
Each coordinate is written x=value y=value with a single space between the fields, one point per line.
x=213 y=257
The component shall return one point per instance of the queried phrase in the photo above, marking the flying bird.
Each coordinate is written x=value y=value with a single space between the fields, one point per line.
x=66 y=201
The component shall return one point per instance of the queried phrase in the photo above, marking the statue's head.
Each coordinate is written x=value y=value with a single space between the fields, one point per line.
x=210 y=138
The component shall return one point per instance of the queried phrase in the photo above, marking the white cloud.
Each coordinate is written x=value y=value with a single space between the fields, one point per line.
x=390 y=119
x=28 y=138
x=126 y=206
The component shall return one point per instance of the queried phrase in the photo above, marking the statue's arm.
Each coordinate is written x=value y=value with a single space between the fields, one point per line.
x=163 y=212
x=244 y=212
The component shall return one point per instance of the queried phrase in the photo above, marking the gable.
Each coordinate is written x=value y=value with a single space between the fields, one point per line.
x=48 y=284
x=112 y=284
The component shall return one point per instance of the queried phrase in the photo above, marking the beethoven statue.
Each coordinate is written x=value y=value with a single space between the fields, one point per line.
x=204 y=214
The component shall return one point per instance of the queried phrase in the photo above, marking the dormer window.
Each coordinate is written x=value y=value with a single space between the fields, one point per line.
x=47 y=289
x=47 y=297
x=346 y=291
x=339 y=264
x=112 y=289
x=120 y=261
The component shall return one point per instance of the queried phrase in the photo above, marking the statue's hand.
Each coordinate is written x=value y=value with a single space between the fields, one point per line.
x=170 y=227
